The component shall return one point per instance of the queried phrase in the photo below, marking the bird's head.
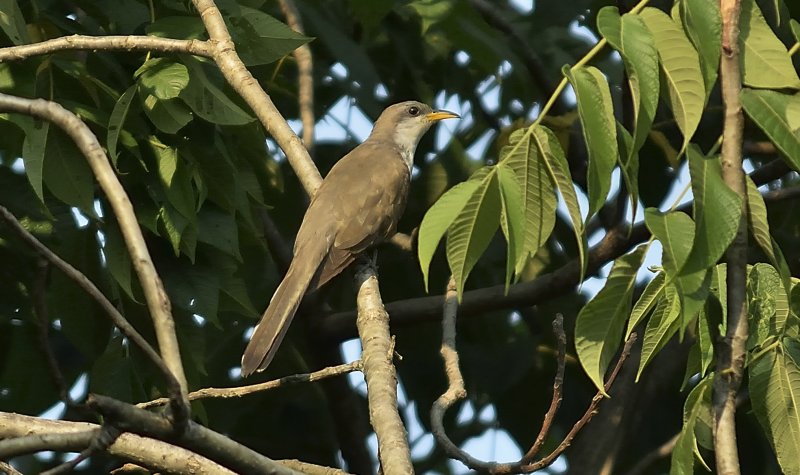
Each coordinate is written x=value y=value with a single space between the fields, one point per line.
x=406 y=122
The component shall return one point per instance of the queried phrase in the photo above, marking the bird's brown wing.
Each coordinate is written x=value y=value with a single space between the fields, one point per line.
x=366 y=212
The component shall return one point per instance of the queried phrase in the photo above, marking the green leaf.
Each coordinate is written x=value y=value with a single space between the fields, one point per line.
x=775 y=396
x=176 y=179
x=681 y=68
x=795 y=28
x=117 y=120
x=629 y=35
x=118 y=261
x=168 y=116
x=473 y=228
x=662 y=325
x=538 y=199
x=769 y=304
x=706 y=323
x=207 y=100
x=717 y=212
x=549 y=149
x=599 y=130
x=759 y=228
x=66 y=173
x=260 y=38
x=218 y=228
x=765 y=61
x=702 y=22
x=652 y=293
x=438 y=218
x=600 y=323
x=512 y=218
x=13 y=23
x=163 y=78
x=675 y=231
x=697 y=407
x=768 y=111
x=33 y=153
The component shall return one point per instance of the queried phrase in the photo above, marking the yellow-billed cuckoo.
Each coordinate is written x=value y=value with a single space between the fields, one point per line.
x=357 y=206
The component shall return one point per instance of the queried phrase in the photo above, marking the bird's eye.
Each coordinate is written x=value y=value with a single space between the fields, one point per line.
x=413 y=110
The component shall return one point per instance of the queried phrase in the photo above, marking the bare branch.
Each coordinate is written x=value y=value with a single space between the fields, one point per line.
x=379 y=372
x=223 y=51
x=100 y=442
x=558 y=384
x=266 y=386
x=106 y=43
x=731 y=351
x=76 y=436
x=8 y=469
x=155 y=295
x=305 y=75
x=88 y=286
x=311 y=469
x=195 y=437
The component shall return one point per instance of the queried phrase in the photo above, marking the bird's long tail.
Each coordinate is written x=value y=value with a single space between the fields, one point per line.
x=270 y=331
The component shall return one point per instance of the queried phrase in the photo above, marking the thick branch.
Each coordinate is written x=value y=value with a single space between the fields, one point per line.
x=155 y=295
x=731 y=351
x=106 y=43
x=196 y=438
x=76 y=436
x=380 y=375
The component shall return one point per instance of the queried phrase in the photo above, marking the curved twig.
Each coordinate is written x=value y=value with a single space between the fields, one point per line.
x=107 y=43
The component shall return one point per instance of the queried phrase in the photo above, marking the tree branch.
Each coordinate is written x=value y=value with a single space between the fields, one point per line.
x=380 y=375
x=155 y=295
x=196 y=438
x=76 y=436
x=106 y=43
x=266 y=386
x=731 y=351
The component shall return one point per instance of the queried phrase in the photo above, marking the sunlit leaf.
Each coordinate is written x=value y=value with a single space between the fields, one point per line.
x=117 y=120
x=662 y=325
x=473 y=228
x=765 y=61
x=768 y=111
x=696 y=407
x=775 y=396
x=647 y=301
x=163 y=78
x=717 y=212
x=769 y=305
x=703 y=24
x=438 y=218
x=600 y=324
x=599 y=130
x=552 y=155
x=512 y=218
x=538 y=199
x=681 y=69
x=629 y=35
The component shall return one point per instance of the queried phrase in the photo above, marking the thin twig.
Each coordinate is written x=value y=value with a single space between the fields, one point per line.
x=7 y=469
x=305 y=75
x=157 y=301
x=88 y=286
x=651 y=457
x=558 y=385
x=380 y=375
x=265 y=386
x=106 y=43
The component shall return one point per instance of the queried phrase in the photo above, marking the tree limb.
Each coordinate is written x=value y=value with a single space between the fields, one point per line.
x=106 y=43
x=731 y=351
x=63 y=437
x=379 y=372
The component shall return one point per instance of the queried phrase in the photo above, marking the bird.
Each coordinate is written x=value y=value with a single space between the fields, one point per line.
x=356 y=207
